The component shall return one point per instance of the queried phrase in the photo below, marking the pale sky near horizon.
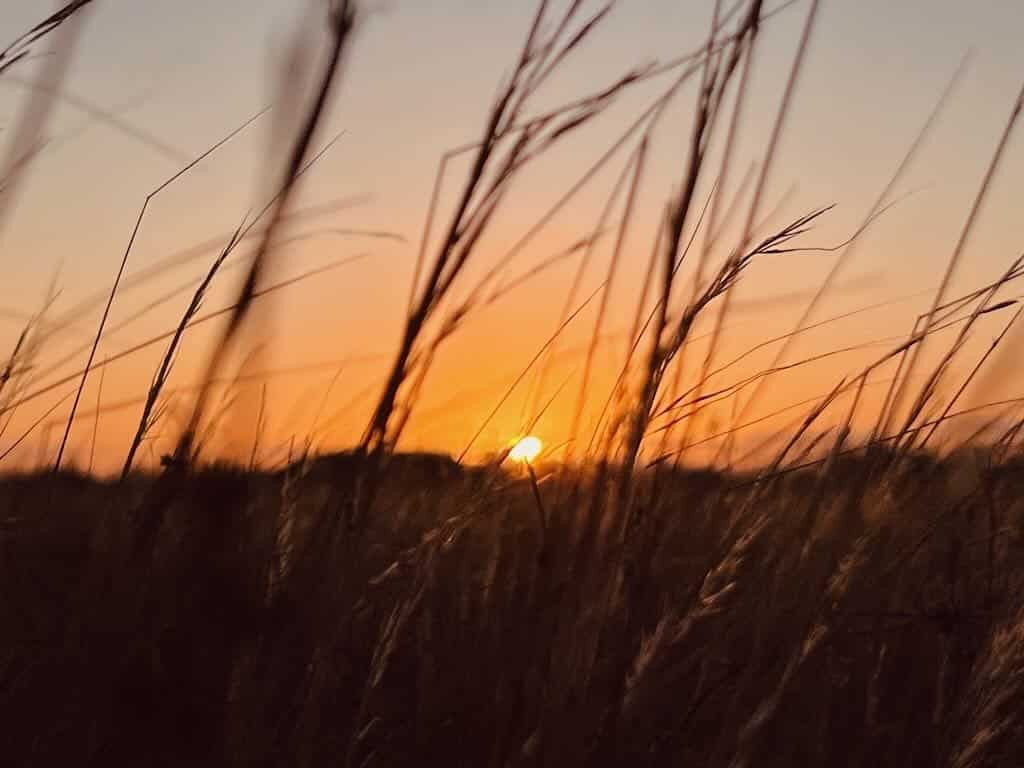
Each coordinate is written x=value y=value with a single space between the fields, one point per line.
x=419 y=80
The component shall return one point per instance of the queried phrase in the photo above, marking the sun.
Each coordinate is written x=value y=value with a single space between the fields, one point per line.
x=527 y=449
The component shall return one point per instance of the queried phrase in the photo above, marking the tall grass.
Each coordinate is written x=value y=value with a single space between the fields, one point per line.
x=852 y=601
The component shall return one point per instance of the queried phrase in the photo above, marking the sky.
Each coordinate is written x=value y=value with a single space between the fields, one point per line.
x=418 y=81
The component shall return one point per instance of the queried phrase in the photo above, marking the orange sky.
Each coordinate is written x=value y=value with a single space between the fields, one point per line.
x=419 y=81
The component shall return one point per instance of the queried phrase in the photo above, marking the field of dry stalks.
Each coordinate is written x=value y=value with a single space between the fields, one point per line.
x=855 y=617
x=854 y=601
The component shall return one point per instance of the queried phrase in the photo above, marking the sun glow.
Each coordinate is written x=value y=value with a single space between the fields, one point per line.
x=527 y=449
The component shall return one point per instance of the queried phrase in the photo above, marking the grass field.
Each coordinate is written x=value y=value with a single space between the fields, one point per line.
x=238 y=618
x=853 y=599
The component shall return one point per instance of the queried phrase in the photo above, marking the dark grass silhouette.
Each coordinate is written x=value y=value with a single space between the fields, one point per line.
x=853 y=602
x=828 y=623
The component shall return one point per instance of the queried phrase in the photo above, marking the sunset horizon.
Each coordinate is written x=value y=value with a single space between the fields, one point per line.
x=541 y=383
x=365 y=230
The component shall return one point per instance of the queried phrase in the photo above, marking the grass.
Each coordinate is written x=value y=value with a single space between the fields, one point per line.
x=822 y=620
x=853 y=600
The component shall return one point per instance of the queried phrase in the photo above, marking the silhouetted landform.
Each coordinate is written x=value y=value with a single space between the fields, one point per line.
x=421 y=469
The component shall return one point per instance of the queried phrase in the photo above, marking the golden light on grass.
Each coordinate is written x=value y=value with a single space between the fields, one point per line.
x=527 y=449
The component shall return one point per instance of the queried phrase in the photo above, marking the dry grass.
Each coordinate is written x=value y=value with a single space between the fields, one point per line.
x=773 y=627
x=853 y=602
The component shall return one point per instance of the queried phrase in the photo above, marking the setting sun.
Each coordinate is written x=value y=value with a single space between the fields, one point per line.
x=527 y=449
